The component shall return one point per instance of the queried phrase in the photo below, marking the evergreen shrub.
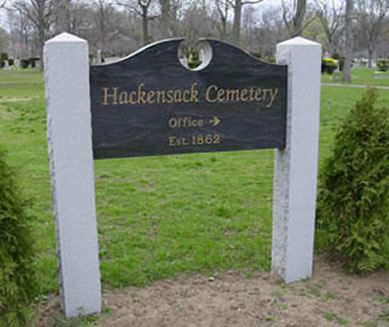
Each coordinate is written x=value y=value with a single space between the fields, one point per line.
x=353 y=198
x=24 y=63
x=3 y=58
x=33 y=61
x=383 y=65
x=328 y=65
x=256 y=55
x=17 y=281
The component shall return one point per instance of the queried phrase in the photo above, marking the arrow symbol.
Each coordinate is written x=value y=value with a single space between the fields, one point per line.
x=215 y=121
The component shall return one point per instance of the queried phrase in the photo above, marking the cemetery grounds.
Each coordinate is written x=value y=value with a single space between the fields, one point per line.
x=185 y=240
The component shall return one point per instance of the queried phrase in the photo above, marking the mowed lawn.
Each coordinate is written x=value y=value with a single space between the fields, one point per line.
x=360 y=75
x=157 y=216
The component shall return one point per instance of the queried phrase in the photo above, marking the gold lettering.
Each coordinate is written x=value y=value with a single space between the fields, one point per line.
x=185 y=94
x=123 y=97
x=170 y=96
x=177 y=96
x=258 y=96
x=114 y=95
x=173 y=122
x=220 y=95
x=208 y=93
x=141 y=94
x=244 y=95
x=252 y=94
x=194 y=93
x=172 y=141
x=213 y=94
x=273 y=95
x=150 y=96
x=132 y=97
x=232 y=95
x=161 y=96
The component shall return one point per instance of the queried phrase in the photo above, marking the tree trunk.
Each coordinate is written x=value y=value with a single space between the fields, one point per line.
x=165 y=11
x=236 y=23
x=349 y=42
x=370 y=58
x=41 y=41
x=145 y=27
x=298 y=19
x=370 y=50
x=224 y=29
x=63 y=16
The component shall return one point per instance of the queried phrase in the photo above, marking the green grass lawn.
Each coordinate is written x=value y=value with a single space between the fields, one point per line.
x=360 y=75
x=157 y=216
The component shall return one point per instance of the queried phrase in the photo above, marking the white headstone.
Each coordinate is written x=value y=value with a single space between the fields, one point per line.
x=71 y=168
x=17 y=62
x=294 y=199
x=98 y=57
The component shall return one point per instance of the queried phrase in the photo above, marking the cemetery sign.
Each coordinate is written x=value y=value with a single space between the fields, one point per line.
x=150 y=104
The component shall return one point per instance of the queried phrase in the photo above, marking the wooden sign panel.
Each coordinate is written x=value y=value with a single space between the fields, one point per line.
x=150 y=104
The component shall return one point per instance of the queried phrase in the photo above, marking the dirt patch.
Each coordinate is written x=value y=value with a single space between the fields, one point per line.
x=330 y=298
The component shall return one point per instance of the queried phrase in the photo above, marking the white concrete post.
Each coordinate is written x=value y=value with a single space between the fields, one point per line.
x=294 y=195
x=71 y=167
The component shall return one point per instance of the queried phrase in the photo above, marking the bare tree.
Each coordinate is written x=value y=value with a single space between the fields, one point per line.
x=142 y=9
x=223 y=8
x=165 y=17
x=40 y=13
x=103 y=16
x=268 y=31
x=349 y=41
x=20 y=32
x=293 y=14
x=236 y=25
x=237 y=6
x=177 y=13
x=63 y=20
x=331 y=15
x=82 y=18
x=371 y=21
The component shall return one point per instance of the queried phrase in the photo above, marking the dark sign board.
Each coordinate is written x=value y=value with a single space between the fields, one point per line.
x=150 y=104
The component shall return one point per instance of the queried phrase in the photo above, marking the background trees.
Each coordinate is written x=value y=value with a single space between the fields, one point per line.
x=372 y=21
x=293 y=14
x=118 y=27
x=40 y=14
x=331 y=16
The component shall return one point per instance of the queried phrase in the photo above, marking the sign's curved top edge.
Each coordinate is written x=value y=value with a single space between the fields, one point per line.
x=241 y=50
x=178 y=40
x=142 y=49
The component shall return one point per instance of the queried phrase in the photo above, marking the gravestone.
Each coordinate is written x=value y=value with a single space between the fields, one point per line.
x=99 y=58
x=17 y=63
x=150 y=104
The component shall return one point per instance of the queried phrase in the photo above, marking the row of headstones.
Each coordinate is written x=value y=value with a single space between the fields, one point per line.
x=95 y=60
x=17 y=63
